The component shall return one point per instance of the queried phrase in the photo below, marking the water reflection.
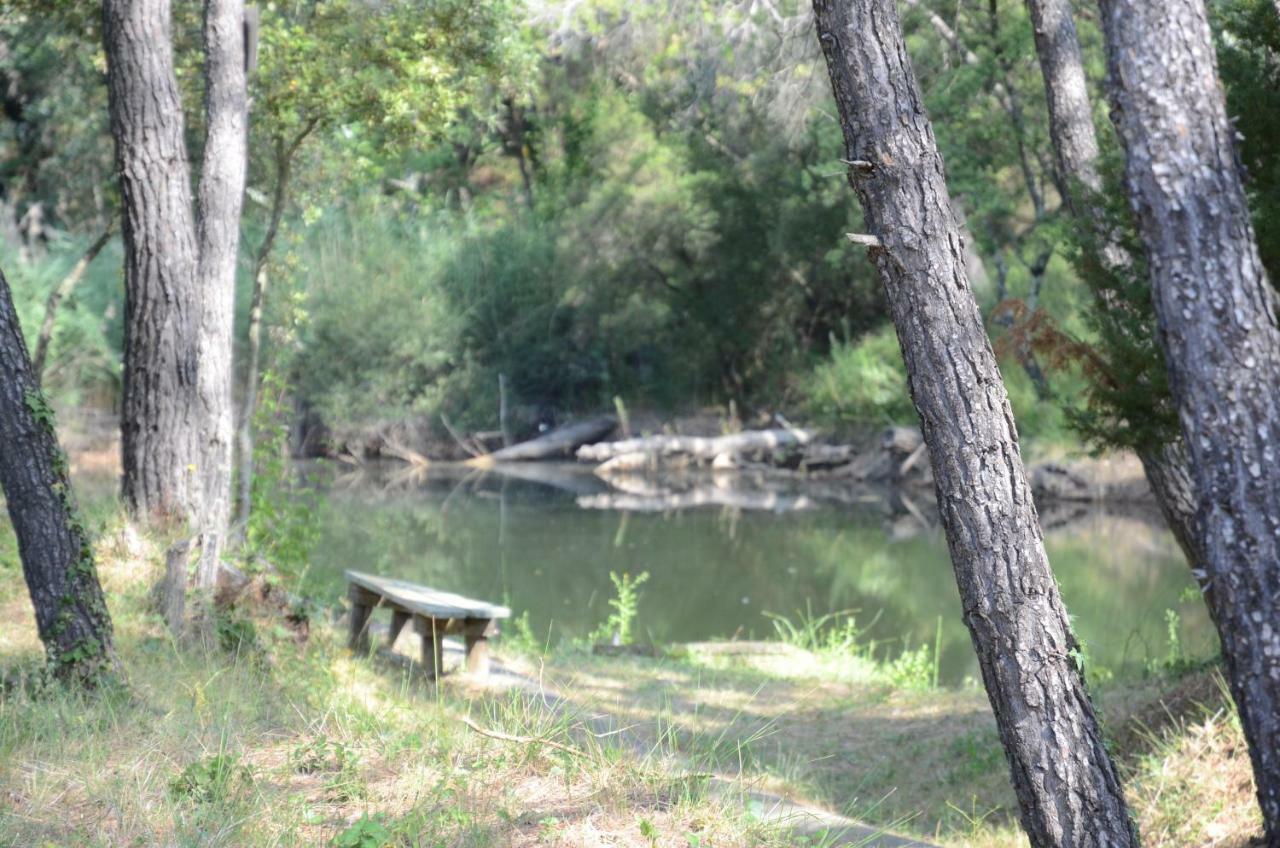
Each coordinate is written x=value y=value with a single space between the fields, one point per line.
x=543 y=540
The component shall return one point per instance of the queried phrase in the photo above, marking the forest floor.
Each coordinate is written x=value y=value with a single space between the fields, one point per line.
x=268 y=740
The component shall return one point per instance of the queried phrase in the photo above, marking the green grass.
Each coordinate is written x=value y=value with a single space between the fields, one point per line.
x=282 y=743
x=271 y=741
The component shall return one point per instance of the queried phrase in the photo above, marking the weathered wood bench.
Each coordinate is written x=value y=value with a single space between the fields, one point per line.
x=434 y=614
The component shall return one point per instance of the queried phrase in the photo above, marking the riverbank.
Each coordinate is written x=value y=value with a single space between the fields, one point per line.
x=268 y=740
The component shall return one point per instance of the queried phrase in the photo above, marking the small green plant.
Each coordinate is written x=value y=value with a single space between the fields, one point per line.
x=214 y=780
x=1175 y=660
x=368 y=831
x=833 y=633
x=648 y=831
x=626 y=607
x=914 y=668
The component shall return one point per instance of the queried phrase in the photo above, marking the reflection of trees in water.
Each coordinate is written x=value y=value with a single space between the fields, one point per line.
x=715 y=571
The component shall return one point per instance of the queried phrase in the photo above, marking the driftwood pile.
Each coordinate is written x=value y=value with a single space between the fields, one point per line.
x=901 y=457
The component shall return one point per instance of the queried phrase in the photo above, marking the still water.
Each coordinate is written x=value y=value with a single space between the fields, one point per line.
x=545 y=546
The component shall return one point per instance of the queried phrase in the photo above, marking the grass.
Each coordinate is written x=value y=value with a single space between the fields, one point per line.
x=281 y=742
x=287 y=743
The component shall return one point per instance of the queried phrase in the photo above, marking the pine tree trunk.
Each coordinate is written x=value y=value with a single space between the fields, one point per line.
x=160 y=416
x=222 y=181
x=1220 y=337
x=1075 y=147
x=1067 y=787
x=57 y=562
x=1075 y=140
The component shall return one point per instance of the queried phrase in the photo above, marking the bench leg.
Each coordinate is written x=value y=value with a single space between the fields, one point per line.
x=477 y=640
x=432 y=632
x=362 y=604
x=398 y=621
x=477 y=655
x=358 y=639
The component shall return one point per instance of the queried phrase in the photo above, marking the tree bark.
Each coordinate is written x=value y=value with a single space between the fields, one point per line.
x=57 y=561
x=1219 y=334
x=1067 y=787
x=1076 y=151
x=222 y=181
x=1075 y=140
x=60 y=293
x=160 y=415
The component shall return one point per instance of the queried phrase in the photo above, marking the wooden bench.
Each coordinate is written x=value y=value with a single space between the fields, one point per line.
x=434 y=614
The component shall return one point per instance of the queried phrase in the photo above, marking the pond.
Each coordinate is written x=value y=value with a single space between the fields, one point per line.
x=545 y=542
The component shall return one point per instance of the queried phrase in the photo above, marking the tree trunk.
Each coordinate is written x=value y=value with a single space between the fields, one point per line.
x=60 y=293
x=57 y=561
x=1066 y=785
x=1219 y=334
x=1075 y=146
x=1075 y=141
x=222 y=180
x=160 y=416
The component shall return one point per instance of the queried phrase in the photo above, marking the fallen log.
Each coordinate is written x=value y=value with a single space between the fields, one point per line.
x=704 y=496
x=560 y=442
x=695 y=447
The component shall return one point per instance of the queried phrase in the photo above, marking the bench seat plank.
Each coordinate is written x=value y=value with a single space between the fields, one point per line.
x=424 y=601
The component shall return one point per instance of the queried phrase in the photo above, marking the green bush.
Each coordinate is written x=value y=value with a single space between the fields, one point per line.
x=861 y=384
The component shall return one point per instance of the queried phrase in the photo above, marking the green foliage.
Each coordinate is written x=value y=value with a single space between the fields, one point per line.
x=83 y=365
x=55 y=153
x=387 y=73
x=1248 y=40
x=368 y=831
x=216 y=779
x=626 y=607
x=283 y=523
x=1128 y=402
x=861 y=383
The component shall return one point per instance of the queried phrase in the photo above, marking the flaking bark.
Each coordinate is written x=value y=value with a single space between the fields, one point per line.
x=1067 y=787
x=1220 y=337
